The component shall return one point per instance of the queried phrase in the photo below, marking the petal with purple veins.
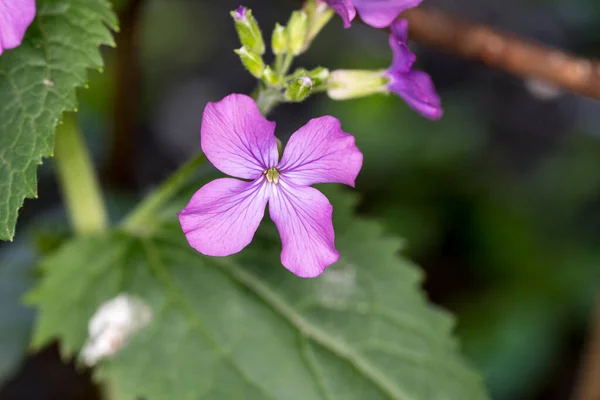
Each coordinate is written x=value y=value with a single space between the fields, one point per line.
x=237 y=139
x=15 y=18
x=222 y=217
x=381 y=13
x=321 y=152
x=303 y=218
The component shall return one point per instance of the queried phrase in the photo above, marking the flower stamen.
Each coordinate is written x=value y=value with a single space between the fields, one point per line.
x=272 y=175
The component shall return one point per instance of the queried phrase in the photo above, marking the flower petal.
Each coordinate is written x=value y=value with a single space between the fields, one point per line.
x=381 y=13
x=320 y=152
x=303 y=218
x=237 y=139
x=222 y=217
x=344 y=8
x=403 y=57
x=15 y=18
x=417 y=89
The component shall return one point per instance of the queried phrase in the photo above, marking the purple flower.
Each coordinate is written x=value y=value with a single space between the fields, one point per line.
x=15 y=17
x=377 y=13
x=222 y=217
x=414 y=86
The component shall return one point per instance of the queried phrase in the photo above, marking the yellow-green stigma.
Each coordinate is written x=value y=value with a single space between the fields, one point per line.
x=272 y=175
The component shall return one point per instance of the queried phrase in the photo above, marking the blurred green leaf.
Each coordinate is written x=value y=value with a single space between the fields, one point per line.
x=244 y=327
x=37 y=82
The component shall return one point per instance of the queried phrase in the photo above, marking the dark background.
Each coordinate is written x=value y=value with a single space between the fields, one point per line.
x=499 y=201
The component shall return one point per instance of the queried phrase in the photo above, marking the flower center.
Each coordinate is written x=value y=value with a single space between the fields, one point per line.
x=272 y=175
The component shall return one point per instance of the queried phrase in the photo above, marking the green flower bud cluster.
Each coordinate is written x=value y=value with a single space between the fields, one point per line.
x=287 y=42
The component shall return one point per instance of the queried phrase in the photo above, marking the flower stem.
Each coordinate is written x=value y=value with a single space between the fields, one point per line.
x=78 y=180
x=287 y=63
x=136 y=221
x=267 y=99
x=278 y=63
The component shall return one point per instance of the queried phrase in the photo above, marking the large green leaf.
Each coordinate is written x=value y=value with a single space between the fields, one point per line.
x=243 y=327
x=37 y=84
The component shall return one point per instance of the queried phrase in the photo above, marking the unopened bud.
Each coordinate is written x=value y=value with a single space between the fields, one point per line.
x=252 y=61
x=319 y=14
x=248 y=30
x=319 y=76
x=270 y=77
x=279 y=40
x=297 y=30
x=299 y=73
x=350 y=84
x=299 y=89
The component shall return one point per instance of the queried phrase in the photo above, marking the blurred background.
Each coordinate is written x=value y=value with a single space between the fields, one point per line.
x=499 y=201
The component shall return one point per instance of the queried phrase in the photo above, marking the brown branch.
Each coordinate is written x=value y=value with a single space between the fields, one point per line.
x=588 y=387
x=504 y=51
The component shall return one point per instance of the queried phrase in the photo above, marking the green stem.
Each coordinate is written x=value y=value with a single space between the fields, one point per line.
x=138 y=218
x=287 y=63
x=78 y=180
x=267 y=99
x=278 y=63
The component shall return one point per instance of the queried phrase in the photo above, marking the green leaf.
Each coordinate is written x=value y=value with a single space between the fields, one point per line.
x=37 y=84
x=244 y=327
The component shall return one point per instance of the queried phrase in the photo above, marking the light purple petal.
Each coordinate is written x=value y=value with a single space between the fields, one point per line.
x=403 y=57
x=15 y=17
x=303 y=217
x=381 y=13
x=344 y=8
x=321 y=152
x=417 y=89
x=222 y=217
x=237 y=139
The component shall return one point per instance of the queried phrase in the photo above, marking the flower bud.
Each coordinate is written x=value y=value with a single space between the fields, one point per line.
x=252 y=61
x=279 y=40
x=319 y=14
x=350 y=84
x=248 y=30
x=297 y=30
x=299 y=89
x=319 y=76
x=299 y=73
x=270 y=77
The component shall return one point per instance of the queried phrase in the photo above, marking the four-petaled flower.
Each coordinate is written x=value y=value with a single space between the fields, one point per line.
x=222 y=217
x=377 y=13
x=15 y=17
